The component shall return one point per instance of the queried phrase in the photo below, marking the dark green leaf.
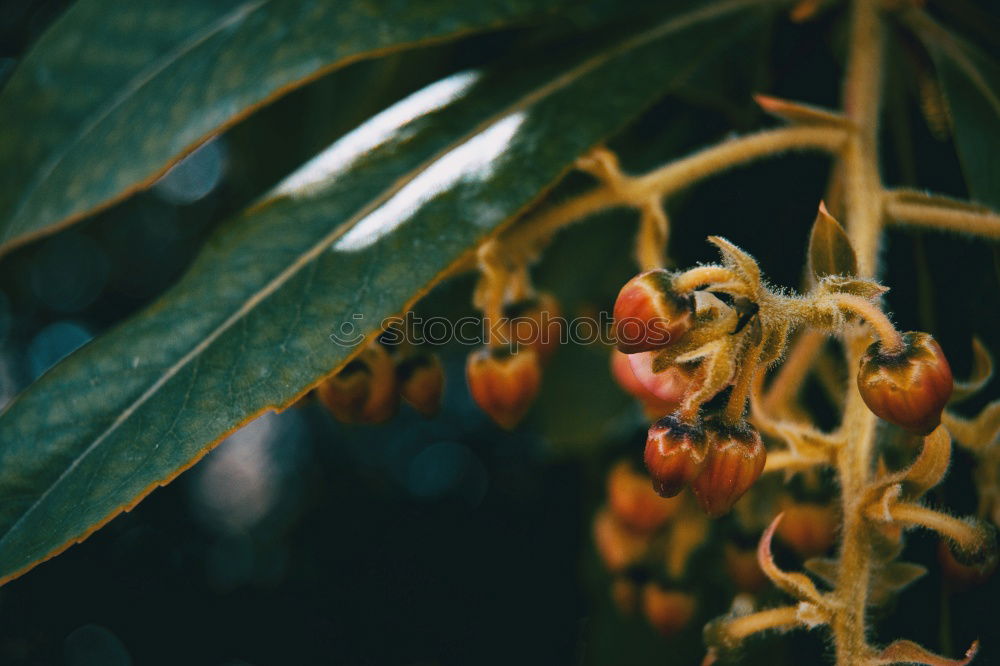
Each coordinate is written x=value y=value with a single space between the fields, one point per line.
x=115 y=91
x=363 y=230
x=971 y=84
x=830 y=251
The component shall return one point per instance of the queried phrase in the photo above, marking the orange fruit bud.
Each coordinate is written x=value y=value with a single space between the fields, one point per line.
x=617 y=545
x=668 y=611
x=504 y=384
x=735 y=459
x=421 y=381
x=364 y=391
x=648 y=315
x=634 y=502
x=909 y=388
x=675 y=454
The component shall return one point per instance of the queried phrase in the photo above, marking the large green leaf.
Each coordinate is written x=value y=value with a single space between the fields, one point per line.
x=115 y=91
x=364 y=229
x=971 y=84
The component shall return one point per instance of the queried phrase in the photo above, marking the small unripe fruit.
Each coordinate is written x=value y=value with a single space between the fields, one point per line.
x=810 y=529
x=535 y=323
x=421 y=381
x=735 y=459
x=670 y=385
x=621 y=371
x=635 y=503
x=648 y=314
x=617 y=545
x=364 y=391
x=909 y=388
x=675 y=454
x=504 y=384
x=668 y=611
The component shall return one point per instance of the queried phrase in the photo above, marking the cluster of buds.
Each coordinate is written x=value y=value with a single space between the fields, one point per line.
x=676 y=341
x=369 y=388
x=504 y=377
x=691 y=336
x=646 y=542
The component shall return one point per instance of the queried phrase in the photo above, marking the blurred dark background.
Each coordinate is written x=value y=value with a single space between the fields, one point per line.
x=448 y=541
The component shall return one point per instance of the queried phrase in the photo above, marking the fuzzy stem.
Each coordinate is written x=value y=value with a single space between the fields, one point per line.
x=783 y=617
x=692 y=279
x=967 y=536
x=892 y=341
x=637 y=192
x=741 y=389
x=862 y=190
x=980 y=223
x=715 y=159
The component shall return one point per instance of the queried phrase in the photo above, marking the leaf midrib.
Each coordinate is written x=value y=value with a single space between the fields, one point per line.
x=677 y=23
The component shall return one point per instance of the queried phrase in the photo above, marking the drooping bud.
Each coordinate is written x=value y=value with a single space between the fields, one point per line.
x=734 y=460
x=809 y=528
x=670 y=385
x=668 y=611
x=535 y=323
x=635 y=503
x=648 y=314
x=909 y=388
x=364 y=391
x=421 y=381
x=504 y=384
x=675 y=454
x=617 y=545
x=621 y=371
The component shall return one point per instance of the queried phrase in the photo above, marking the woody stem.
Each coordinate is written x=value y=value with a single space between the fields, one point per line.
x=862 y=192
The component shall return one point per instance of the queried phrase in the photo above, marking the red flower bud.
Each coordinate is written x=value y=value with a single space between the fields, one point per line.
x=670 y=385
x=535 y=323
x=675 y=454
x=735 y=459
x=635 y=503
x=648 y=315
x=909 y=388
x=504 y=384
x=621 y=371
x=364 y=391
x=668 y=611
x=421 y=381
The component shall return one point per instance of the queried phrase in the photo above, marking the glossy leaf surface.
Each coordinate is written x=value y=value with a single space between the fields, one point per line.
x=116 y=91
x=363 y=229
